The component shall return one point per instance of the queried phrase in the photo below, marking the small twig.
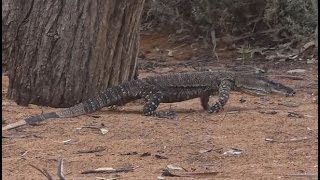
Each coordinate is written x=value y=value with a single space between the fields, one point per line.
x=160 y=156
x=96 y=149
x=290 y=140
x=189 y=114
x=294 y=114
x=15 y=136
x=233 y=112
x=214 y=43
x=230 y=112
x=43 y=171
x=60 y=169
x=24 y=154
x=89 y=127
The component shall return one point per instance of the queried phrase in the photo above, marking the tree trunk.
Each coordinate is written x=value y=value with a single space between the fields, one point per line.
x=8 y=26
x=66 y=51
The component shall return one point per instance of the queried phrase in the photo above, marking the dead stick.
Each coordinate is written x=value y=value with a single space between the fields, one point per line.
x=43 y=172
x=60 y=169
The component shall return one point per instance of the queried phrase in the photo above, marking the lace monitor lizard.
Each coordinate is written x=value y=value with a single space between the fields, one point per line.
x=170 y=88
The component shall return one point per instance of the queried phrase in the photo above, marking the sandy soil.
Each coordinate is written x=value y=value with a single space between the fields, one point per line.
x=272 y=144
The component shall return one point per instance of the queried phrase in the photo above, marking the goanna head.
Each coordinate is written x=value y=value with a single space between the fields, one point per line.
x=261 y=86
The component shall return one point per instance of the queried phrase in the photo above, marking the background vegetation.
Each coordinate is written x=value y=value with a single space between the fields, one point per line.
x=297 y=18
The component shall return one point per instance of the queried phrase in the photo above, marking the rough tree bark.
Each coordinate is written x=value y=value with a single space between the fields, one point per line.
x=61 y=52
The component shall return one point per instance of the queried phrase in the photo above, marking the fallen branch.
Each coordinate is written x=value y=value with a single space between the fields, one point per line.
x=14 y=125
x=109 y=170
x=167 y=172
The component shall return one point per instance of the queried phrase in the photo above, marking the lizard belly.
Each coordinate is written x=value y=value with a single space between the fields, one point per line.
x=181 y=95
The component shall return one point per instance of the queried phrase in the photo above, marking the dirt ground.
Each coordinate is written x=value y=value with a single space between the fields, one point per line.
x=253 y=138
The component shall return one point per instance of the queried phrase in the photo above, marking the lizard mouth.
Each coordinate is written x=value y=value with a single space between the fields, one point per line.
x=280 y=89
x=263 y=87
x=256 y=92
x=287 y=93
x=264 y=92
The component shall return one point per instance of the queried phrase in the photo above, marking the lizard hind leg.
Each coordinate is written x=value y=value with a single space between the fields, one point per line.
x=204 y=99
x=152 y=102
x=204 y=102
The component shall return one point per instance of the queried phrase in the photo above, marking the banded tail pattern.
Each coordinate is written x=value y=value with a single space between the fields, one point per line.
x=116 y=95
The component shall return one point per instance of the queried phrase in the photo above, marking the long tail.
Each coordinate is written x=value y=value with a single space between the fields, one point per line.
x=116 y=95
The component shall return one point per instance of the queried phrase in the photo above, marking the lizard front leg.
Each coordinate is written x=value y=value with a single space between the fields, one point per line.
x=153 y=99
x=204 y=101
x=224 y=91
